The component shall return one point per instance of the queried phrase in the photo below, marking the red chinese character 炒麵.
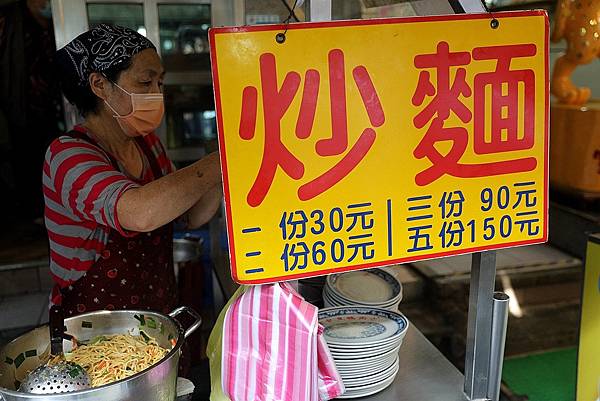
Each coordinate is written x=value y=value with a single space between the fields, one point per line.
x=446 y=94
x=503 y=84
x=276 y=102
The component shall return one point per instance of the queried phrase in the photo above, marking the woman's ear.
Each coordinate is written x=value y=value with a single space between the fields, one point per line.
x=99 y=85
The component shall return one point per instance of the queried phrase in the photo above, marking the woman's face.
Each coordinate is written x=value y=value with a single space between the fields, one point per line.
x=145 y=75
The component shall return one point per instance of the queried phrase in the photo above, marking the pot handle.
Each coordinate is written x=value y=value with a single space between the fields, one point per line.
x=197 y=318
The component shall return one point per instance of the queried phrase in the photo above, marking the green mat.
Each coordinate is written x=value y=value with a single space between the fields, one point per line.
x=550 y=376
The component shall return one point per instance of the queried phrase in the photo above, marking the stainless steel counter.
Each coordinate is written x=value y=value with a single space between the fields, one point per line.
x=425 y=374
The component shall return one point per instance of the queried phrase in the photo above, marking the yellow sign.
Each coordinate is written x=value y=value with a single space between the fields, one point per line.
x=588 y=369
x=356 y=144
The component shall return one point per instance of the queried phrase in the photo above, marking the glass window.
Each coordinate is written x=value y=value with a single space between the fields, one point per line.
x=519 y=4
x=346 y=9
x=389 y=11
x=191 y=118
x=183 y=30
x=366 y=9
x=123 y=14
x=271 y=11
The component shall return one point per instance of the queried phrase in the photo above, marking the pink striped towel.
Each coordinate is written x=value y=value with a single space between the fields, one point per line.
x=271 y=349
x=330 y=381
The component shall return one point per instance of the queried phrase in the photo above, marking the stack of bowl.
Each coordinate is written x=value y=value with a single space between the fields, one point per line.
x=375 y=288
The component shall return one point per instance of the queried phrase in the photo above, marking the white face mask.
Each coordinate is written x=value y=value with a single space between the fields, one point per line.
x=147 y=111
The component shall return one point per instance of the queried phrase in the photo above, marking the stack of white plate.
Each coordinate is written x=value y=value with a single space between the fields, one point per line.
x=364 y=343
x=375 y=287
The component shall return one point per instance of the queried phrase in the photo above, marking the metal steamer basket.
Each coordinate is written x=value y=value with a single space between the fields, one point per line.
x=157 y=383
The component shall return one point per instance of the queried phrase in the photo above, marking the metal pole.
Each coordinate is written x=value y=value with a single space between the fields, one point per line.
x=483 y=278
x=479 y=329
x=499 y=321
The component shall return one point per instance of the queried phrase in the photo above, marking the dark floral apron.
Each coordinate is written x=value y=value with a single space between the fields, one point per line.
x=132 y=272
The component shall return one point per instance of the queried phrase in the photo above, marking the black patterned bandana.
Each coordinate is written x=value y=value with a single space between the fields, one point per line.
x=98 y=50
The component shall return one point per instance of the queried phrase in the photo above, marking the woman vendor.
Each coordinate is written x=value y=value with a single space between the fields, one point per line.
x=111 y=193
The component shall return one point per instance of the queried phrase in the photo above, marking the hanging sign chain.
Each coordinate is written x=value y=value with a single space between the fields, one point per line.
x=494 y=23
x=280 y=37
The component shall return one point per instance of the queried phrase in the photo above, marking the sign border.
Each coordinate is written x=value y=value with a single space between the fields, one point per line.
x=376 y=21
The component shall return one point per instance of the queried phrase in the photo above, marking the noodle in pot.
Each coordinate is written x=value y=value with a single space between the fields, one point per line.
x=111 y=358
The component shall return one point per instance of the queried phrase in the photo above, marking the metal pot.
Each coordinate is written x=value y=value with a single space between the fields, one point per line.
x=157 y=383
x=186 y=250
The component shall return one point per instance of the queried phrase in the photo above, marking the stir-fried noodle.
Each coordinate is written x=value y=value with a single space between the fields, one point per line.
x=110 y=358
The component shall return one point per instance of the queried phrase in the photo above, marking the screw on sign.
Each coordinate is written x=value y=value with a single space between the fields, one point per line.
x=505 y=107
x=276 y=101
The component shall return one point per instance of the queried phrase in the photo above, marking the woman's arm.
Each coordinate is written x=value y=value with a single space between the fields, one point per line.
x=204 y=209
x=155 y=204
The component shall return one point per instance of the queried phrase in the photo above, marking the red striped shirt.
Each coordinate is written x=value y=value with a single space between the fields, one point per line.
x=81 y=191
